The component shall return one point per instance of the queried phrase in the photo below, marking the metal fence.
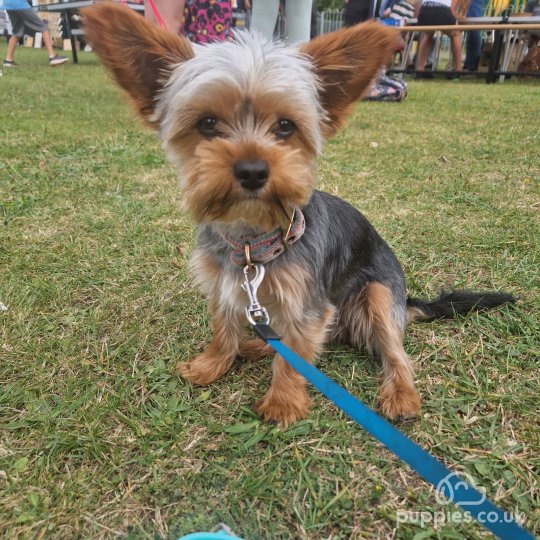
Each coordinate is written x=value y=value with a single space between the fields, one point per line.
x=327 y=21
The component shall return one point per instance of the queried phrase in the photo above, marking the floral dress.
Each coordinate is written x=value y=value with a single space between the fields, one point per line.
x=208 y=20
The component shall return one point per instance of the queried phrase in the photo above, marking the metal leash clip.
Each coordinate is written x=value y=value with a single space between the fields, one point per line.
x=255 y=313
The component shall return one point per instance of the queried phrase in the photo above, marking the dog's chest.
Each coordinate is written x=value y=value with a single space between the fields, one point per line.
x=282 y=292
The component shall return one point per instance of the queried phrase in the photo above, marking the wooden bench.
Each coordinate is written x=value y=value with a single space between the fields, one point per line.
x=505 y=31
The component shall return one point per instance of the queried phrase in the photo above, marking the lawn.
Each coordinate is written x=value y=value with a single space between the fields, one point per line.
x=100 y=438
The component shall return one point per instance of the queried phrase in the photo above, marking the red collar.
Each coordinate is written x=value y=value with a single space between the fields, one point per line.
x=267 y=246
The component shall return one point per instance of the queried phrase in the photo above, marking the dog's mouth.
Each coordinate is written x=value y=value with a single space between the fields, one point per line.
x=251 y=195
x=223 y=184
x=255 y=209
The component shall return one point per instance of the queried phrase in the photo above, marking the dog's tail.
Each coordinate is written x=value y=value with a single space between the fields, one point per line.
x=450 y=304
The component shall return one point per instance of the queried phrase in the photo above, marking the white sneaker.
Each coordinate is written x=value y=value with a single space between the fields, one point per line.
x=57 y=60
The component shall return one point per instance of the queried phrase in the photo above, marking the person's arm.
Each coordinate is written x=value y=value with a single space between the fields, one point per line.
x=454 y=10
x=384 y=8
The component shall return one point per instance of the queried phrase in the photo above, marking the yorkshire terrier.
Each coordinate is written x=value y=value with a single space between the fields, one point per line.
x=244 y=122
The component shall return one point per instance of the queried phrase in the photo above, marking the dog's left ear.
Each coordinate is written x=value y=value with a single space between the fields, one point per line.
x=139 y=55
x=346 y=63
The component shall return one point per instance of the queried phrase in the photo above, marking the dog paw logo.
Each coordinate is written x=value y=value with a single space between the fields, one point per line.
x=453 y=482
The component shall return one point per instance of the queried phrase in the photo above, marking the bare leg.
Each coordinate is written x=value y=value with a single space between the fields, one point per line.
x=48 y=43
x=455 y=45
x=12 y=43
x=423 y=50
x=298 y=15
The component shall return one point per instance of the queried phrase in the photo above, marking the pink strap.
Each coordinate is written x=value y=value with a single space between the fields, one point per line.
x=156 y=13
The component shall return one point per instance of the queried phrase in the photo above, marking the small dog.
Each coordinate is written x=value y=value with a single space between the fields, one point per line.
x=244 y=121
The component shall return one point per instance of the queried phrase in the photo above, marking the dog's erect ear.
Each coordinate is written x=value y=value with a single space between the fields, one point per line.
x=346 y=63
x=139 y=55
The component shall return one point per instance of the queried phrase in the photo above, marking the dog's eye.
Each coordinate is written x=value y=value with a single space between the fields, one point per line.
x=284 y=128
x=207 y=126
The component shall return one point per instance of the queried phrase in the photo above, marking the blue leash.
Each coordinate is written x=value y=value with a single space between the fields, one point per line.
x=430 y=469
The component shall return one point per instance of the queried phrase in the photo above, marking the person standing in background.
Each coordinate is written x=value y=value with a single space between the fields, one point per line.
x=201 y=21
x=208 y=20
x=356 y=11
x=298 y=13
x=438 y=13
x=170 y=14
x=22 y=18
x=474 y=38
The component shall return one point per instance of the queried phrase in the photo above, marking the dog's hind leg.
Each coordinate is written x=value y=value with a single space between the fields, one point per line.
x=397 y=395
x=374 y=321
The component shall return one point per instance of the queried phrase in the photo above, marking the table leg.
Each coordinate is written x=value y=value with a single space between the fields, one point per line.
x=70 y=36
x=495 y=57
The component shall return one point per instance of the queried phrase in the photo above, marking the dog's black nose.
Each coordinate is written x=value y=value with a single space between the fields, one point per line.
x=251 y=173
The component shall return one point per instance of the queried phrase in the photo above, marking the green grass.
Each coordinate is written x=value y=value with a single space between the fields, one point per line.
x=100 y=438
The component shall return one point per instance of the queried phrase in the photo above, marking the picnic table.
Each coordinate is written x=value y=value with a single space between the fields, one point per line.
x=64 y=7
x=507 y=32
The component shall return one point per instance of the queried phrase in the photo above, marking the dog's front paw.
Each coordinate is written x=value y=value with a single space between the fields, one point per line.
x=283 y=413
x=399 y=401
x=203 y=369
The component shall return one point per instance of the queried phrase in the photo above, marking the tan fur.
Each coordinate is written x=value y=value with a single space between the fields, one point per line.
x=287 y=400
x=284 y=293
x=347 y=61
x=252 y=350
x=397 y=396
x=139 y=55
x=210 y=191
x=356 y=324
x=219 y=356
x=368 y=321
x=148 y=63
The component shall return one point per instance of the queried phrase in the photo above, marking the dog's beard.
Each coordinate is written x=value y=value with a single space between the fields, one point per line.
x=211 y=193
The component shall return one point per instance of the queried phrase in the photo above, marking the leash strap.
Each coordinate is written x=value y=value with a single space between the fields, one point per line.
x=156 y=13
x=430 y=469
